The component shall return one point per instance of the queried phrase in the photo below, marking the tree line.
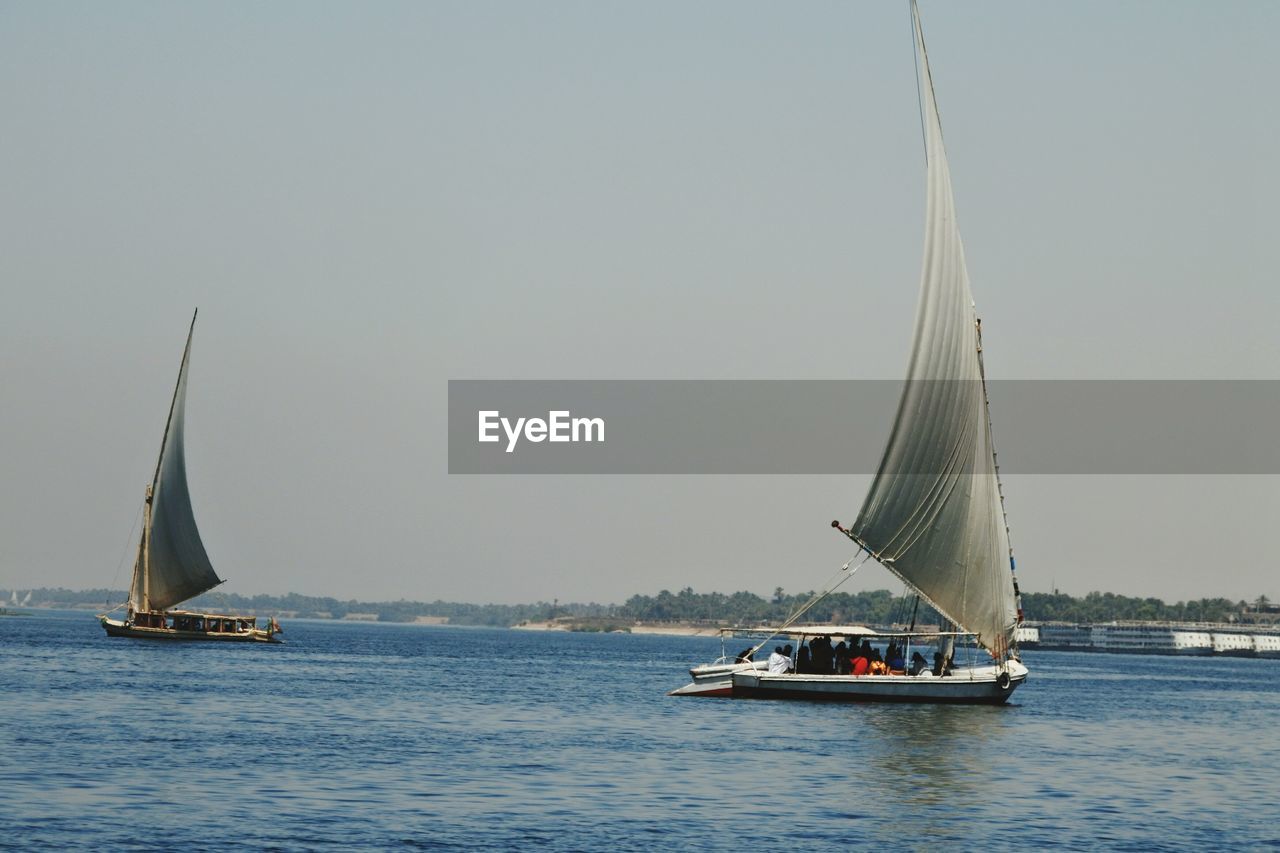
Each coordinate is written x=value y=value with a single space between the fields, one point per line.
x=746 y=608
x=881 y=608
x=1108 y=607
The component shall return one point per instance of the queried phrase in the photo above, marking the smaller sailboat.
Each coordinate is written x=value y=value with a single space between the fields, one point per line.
x=172 y=566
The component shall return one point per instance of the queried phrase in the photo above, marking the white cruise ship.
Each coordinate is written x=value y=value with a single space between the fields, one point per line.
x=1065 y=637
x=1233 y=644
x=1027 y=635
x=1151 y=640
x=1266 y=645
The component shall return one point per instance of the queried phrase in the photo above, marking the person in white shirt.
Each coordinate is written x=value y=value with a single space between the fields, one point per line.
x=780 y=660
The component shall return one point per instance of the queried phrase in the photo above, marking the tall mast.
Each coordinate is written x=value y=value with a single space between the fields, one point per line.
x=146 y=552
x=139 y=564
x=995 y=462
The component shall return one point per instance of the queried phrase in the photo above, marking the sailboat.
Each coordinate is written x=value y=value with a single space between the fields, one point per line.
x=934 y=515
x=171 y=565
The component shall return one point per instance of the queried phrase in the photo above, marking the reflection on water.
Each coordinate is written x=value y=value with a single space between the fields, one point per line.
x=376 y=736
x=930 y=754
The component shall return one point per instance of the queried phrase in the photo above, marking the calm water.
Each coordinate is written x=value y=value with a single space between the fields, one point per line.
x=399 y=736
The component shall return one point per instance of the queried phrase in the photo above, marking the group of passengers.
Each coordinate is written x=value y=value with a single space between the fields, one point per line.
x=210 y=625
x=819 y=657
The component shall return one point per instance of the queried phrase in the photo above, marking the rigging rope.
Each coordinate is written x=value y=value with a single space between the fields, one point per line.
x=125 y=552
x=919 y=91
x=790 y=620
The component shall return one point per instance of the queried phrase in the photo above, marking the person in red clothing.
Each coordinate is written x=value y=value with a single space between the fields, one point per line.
x=860 y=663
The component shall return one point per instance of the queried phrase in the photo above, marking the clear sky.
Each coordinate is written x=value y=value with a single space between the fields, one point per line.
x=366 y=200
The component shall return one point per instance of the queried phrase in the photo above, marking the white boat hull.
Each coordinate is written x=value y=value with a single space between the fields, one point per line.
x=985 y=685
x=716 y=679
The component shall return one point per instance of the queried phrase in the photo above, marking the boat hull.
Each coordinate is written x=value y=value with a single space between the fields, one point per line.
x=721 y=689
x=117 y=628
x=977 y=686
x=717 y=679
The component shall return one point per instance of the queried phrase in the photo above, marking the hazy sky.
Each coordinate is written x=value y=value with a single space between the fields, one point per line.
x=366 y=200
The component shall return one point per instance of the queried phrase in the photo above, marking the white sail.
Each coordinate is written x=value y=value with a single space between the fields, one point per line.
x=934 y=514
x=172 y=563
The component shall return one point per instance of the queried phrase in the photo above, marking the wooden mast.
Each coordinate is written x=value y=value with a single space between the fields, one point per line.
x=144 y=552
x=140 y=563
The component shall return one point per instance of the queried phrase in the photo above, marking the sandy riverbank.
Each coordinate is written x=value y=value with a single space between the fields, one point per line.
x=666 y=630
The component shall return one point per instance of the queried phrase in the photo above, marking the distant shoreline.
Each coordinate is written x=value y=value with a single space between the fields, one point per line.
x=677 y=630
x=684 y=613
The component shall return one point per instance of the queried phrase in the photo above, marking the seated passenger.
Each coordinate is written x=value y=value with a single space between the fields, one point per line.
x=842 y=658
x=778 y=662
x=744 y=656
x=803 y=661
x=860 y=664
x=878 y=667
x=918 y=664
x=823 y=656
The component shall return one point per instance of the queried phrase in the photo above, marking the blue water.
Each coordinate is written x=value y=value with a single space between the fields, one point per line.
x=383 y=736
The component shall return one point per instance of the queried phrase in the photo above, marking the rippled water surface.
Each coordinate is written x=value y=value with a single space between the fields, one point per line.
x=403 y=736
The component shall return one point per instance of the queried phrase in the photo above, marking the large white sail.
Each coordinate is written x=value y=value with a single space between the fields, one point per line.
x=172 y=563
x=934 y=515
